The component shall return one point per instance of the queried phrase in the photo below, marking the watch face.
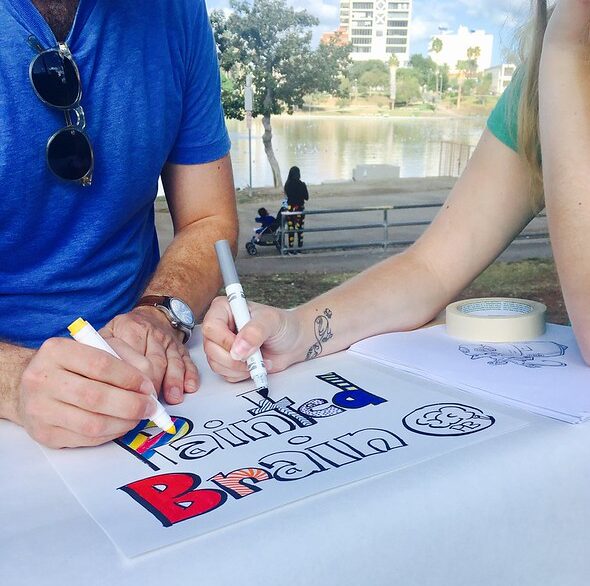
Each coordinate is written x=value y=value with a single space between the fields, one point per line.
x=182 y=311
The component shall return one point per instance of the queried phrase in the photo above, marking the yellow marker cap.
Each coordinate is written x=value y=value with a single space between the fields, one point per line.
x=76 y=326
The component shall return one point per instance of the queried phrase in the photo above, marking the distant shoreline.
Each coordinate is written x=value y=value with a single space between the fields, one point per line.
x=381 y=116
x=372 y=116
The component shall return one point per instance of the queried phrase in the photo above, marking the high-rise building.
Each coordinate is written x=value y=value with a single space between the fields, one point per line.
x=453 y=47
x=377 y=29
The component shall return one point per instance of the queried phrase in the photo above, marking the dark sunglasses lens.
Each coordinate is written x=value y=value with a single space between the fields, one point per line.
x=69 y=154
x=55 y=79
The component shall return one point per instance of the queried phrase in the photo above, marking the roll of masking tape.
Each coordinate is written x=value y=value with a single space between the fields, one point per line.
x=496 y=319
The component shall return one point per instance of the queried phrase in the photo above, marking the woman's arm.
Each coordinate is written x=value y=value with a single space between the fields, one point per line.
x=564 y=125
x=486 y=209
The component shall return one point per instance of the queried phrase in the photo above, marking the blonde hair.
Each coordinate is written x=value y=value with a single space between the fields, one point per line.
x=529 y=146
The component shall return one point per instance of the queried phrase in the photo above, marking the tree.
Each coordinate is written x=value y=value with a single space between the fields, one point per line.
x=437 y=46
x=473 y=54
x=371 y=75
x=425 y=69
x=231 y=96
x=272 y=41
x=408 y=86
x=485 y=84
x=467 y=69
x=443 y=74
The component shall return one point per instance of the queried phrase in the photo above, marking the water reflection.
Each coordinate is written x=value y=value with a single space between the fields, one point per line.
x=327 y=149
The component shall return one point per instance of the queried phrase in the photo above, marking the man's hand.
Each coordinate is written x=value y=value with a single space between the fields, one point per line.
x=147 y=330
x=72 y=395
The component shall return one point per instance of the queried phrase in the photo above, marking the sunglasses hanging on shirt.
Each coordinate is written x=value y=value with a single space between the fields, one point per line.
x=55 y=78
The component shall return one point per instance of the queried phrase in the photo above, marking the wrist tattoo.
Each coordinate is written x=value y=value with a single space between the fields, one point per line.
x=322 y=331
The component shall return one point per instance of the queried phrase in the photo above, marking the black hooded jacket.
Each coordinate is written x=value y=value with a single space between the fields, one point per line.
x=295 y=189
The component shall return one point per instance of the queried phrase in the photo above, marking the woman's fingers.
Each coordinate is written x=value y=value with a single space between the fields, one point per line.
x=222 y=363
x=218 y=324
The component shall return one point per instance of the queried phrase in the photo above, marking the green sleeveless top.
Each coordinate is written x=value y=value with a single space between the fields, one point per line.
x=503 y=121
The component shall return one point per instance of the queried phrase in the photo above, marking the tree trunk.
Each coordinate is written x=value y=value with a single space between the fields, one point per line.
x=267 y=136
x=270 y=154
x=460 y=89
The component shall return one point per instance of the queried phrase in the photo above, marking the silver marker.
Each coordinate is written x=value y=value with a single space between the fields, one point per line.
x=239 y=309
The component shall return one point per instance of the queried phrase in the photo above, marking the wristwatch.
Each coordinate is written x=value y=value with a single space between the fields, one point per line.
x=176 y=310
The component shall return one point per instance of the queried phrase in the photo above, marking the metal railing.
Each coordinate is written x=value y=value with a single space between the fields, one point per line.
x=453 y=158
x=384 y=242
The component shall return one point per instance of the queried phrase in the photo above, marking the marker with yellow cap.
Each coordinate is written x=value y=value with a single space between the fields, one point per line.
x=84 y=333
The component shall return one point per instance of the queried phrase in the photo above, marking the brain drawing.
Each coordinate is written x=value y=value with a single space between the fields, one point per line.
x=447 y=419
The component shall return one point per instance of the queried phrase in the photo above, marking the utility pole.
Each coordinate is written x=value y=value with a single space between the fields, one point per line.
x=248 y=102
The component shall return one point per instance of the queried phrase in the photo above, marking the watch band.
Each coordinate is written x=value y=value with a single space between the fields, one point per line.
x=162 y=302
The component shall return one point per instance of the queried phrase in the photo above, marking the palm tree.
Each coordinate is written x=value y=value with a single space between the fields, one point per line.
x=467 y=69
x=473 y=54
x=437 y=46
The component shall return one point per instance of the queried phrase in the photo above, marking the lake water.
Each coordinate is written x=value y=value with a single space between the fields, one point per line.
x=328 y=148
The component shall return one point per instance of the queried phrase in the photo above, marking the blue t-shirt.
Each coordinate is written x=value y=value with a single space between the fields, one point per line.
x=151 y=94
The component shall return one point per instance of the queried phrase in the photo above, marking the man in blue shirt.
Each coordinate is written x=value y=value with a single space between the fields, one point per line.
x=79 y=167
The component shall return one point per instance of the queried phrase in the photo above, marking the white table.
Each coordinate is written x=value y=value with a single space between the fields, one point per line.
x=515 y=510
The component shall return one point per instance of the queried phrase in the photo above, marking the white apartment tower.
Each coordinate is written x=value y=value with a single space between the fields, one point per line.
x=377 y=29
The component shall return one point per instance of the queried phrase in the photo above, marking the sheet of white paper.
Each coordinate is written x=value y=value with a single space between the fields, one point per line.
x=239 y=455
x=545 y=376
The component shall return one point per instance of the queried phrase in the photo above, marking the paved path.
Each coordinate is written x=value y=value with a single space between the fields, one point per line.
x=340 y=196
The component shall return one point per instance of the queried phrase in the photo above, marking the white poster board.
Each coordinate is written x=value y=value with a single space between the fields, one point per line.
x=326 y=423
x=546 y=376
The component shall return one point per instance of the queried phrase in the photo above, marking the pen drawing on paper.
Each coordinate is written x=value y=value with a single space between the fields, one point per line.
x=239 y=454
x=529 y=354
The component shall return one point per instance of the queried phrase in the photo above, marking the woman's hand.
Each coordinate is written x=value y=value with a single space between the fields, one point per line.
x=275 y=331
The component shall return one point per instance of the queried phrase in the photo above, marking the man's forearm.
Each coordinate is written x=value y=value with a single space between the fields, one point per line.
x=189 y=269
x=13 y=361
x=202 y=203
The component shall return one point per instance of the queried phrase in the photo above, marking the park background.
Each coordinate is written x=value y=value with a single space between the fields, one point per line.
x=297 y=90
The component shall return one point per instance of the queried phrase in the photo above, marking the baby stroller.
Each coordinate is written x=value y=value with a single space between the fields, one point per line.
x=269 y=235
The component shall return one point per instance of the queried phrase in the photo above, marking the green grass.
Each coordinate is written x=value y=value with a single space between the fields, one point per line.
x=290 y=289
x=529 y=279
x=534 y=279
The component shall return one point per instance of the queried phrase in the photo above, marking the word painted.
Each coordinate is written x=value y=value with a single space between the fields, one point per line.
x=268 y=418
x=176 y=497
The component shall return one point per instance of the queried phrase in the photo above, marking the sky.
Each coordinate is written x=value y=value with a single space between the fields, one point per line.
x=498 y=17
